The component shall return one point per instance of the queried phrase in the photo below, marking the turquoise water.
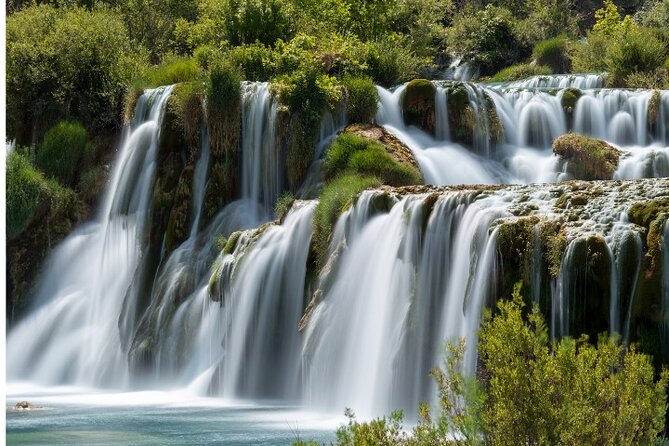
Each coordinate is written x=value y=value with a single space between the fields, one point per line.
x=67 y=420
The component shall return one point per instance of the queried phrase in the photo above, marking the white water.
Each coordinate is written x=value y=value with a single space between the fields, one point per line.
x=399 y=287
x=532 y=119
x=72 y=335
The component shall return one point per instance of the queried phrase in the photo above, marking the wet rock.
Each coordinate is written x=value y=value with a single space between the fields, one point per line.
x=586 y=158
x=418 y=104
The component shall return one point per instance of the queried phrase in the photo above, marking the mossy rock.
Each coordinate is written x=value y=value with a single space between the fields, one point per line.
x=570 y=97
x=418 y=104
x=654 y=104
x=587 y=158
x=653 y=216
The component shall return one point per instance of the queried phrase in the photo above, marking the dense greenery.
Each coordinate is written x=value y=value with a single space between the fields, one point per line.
x=532 y=391
x=521 y=71
x=64 y=151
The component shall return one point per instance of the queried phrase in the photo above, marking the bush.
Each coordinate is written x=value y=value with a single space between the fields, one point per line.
x=530 y=391
x=64 y=152
x=362 y=99
x=553 y=53
x=333 y=200
x=522 y=71
x=657 y=16
x=173 y=70
x=353 y=153
x=589 y=56
x=264 y=21
x=392 y=62
x=634 y=50
x=487 y=37
x=257 y=62
x=65 y=62
x=29 y=193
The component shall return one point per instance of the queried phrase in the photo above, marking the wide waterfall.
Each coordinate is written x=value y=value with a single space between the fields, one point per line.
x=238 y=310
x=531 y=115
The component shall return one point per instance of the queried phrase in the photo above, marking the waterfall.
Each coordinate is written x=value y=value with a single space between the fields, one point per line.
x=200 y=176
x=73 y=333
x=261 y=173
x=531 y=115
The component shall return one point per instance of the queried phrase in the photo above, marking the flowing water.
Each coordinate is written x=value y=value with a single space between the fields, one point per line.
x=406 y=272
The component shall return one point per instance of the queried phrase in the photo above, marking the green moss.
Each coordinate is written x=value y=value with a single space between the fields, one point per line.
x=185 y=103
x=334 y=199
x=555 y=245
x=283 y=205
x=652 y=215
x=354 y=153
x=130 y=98
x=515 y=244
x=362 y=99
x=418 y=104
x=232 y=242
x=587 y=158
x=569 y=98
x=519 y=72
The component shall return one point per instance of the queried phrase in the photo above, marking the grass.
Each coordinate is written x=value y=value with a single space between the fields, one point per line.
x=519 y=72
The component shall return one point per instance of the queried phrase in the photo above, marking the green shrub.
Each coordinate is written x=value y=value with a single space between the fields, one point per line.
x=283 y=205
x=173 y=70
x=333 y=200
x=64 y=152
x=657 y=16
x=66 y=63
x=392 y=62
x=655 y=79
x=264 y=21
x=362 y=99
x=257 y=62
x=367 y=157
x=519 y=72
x=589 y=56
x=29 y=193
x=634 y=50
x=553 y=53
x=487 y=37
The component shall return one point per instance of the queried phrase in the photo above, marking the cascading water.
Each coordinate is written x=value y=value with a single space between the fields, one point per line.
x=530 y=115
x=73 y=336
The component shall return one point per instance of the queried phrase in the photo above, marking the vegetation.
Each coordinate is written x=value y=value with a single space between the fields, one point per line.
x=530 y=390
x=553 y=54
x=587 y=158
x=362 y=99
x=64 y=151
x=334 y=199
x=522 y=71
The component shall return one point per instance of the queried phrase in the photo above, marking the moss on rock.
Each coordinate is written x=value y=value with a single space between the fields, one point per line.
x=587 y=158
x=652 y=215
x=418 y=104
x=570 y=97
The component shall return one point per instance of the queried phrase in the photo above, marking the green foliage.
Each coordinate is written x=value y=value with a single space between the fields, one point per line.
x=29 y=193
x=283 y=205
x=256 y=61
x=571 y=392
x=385 y=431
x=553 y=53
x=65 y=63
x=521 y=71
x=392 y=62
x=364 y=156
x=487 y=37
x=264 y=21
x=608 y=19
x=172 y=70
x=334 y=199
x=64 y=152
x=635 y=50
x=547 y=19
x=657 y=16
x=361 y=100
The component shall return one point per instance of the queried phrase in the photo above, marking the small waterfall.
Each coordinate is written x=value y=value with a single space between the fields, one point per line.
x=442 y=130
x=261 y=172
x=580 y=81
x=73 y=334
x=200 y=176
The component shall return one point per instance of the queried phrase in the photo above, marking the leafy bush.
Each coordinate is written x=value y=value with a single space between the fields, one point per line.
x=635 y=50
x=487 y=37
x=362 y=99
x=264 y=21
x=547 y=19
x=65 y=62
x=657 y=16
x=553 y=53
x=335 y=196
x=257 y=62
x=589 y=56
x=392 y=62
x=531 y=391
x=172 y=70
x=364 y=156
x=29 y=193
x=522 y=71
x=64 y=152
